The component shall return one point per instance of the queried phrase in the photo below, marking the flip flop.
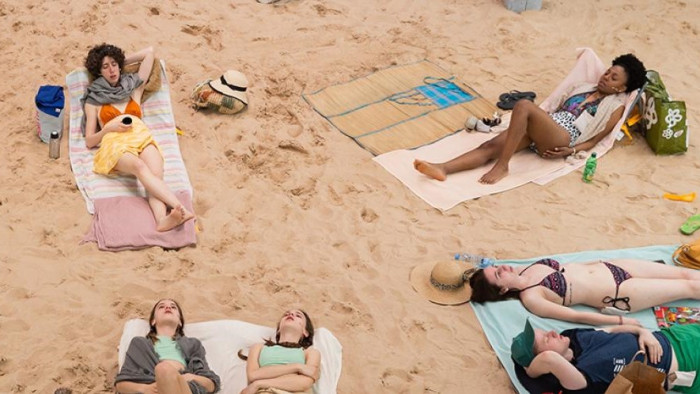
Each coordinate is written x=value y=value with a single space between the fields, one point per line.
x=688 y=197
x=508 y=100
x=517 y=95
x=691 y=225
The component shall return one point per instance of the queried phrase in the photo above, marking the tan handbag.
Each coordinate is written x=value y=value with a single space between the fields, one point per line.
x=688 y=255
x=638 y=378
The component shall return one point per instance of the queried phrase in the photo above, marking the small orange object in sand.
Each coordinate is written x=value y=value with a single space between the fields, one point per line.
x=689 y=197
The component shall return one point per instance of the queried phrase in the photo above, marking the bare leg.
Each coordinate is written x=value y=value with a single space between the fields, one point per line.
x=645 y=293
x=156 y=188
x=528 y=123
x=169 y=380
x=485 y=152
x=651 y=270
x=154 y=161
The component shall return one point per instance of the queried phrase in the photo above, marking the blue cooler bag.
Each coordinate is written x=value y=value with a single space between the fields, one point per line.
x=49 y=111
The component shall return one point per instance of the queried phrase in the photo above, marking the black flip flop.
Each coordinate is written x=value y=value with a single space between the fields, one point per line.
x=508 y=100
x=517 y=95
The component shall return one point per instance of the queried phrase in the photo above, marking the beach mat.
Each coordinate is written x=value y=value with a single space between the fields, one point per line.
x=222 y=339
x=124 y=190
x=503 y=320
x=524 y=167
x=401 y=107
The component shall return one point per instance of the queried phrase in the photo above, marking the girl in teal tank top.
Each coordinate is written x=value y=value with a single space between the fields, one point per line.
x=286 y=362
x=166 y=360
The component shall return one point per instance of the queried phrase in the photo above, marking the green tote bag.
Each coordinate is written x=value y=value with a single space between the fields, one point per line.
x=665 y=120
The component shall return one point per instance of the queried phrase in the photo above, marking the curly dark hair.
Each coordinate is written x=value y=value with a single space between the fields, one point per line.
x=636 y=73
x=483 y=291
x=93 y=61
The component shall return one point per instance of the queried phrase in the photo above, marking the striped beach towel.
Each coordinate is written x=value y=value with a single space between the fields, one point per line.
x=107 y=197
x=158 y=116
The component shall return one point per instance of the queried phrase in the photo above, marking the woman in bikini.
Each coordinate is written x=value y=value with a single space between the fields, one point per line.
x=165 y=360
x=583 y=118
x=113 y=121
x=547 y=288
x=287 y=362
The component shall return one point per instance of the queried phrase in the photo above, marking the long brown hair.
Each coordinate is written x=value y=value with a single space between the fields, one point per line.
x=153 y=334
x=483 y=291
x=304 y=342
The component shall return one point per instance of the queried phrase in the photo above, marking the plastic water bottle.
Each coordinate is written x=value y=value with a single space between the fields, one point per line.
x=473 y=258
x=589 y=170
x=54 y=146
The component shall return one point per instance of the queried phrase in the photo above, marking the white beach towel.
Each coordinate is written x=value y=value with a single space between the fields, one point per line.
x=524 y=166
x=222 y=340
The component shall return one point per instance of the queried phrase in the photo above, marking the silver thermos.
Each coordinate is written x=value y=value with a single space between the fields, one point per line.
x=54 y=145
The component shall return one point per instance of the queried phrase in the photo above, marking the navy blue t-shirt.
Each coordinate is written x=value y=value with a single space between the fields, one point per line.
x=600 y=355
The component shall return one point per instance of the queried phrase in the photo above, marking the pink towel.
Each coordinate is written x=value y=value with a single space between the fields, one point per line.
x=524 y=166
x=125 y=223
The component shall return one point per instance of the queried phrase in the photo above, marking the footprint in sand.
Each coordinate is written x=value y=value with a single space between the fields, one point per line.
x=322 y=10
x=368 y=215
x=211 y=36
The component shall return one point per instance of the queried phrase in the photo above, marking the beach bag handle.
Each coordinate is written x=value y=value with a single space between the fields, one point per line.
x=688 y=255
x=638 y=378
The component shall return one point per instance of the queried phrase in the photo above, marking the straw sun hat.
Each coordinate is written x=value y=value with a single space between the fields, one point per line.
x=444 y=283
x=233 y=83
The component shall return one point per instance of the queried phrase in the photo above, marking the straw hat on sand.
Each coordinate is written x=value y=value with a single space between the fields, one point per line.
x=232 y=83
x=444 y=283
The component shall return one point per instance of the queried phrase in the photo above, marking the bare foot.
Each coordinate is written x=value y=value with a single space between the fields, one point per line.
x=429 y=169
x=172 y=220
x=494 y=175
x=186 y=215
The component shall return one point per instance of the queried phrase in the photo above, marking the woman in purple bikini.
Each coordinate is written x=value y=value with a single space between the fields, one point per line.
x=547 y=288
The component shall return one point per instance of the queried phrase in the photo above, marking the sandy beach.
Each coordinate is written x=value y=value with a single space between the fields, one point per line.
x=323 y=227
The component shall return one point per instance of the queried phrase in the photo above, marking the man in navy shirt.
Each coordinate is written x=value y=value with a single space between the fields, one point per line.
x=587 y=360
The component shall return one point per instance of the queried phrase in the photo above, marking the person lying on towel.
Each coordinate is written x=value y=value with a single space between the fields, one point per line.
x=548 y=288
x=112 y=107
x=583 y=118
x=165 y=360
x=286 y=363
x=589 y=359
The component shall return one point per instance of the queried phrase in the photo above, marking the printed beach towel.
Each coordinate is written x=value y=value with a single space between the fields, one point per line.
x=222 y=339
x=107 y=196
x=524 y=166
x=500 y=329
x=400 y=107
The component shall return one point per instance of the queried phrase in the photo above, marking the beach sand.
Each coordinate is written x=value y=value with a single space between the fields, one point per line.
x=327 y=228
